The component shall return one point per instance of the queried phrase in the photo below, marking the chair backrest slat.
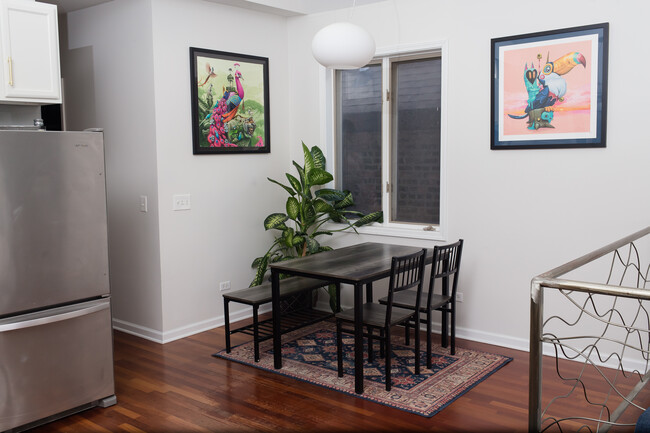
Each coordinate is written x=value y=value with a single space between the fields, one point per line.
x=407 y=272
x=446 y=266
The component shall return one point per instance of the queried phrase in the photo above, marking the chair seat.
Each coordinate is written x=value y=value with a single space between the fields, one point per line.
x=375 y=315
x=406 y=299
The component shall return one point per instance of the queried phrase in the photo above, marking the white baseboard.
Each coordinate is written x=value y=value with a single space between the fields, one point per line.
x=463 y=333
x=469 y=334
x=137 y=330
x=184 y=331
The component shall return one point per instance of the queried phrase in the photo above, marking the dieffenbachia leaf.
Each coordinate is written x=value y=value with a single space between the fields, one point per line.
x=293 y=208
x=309 y=160
x=318 y=157
x=289 y=190
x=318 y=176
x=331 y=195
x=370 y=218
x=275 y=220
x=295 y=183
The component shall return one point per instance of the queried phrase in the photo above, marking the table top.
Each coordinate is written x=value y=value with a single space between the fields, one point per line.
x=360 y=263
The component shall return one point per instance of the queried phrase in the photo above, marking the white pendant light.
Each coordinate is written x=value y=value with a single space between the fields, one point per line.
x=343 y=46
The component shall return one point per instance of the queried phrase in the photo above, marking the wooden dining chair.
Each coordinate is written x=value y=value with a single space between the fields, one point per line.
x=407 y=272
x=445 y=267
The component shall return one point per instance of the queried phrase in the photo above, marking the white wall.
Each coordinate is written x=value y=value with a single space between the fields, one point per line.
x=108 y=74
x=219 y=238
x=166 y=266
x=521 y=212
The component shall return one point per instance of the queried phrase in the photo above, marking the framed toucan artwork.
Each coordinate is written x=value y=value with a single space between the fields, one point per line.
x=230 y=102
x=549 y=89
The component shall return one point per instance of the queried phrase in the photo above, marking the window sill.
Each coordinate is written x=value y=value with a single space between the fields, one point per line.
x=401 y=231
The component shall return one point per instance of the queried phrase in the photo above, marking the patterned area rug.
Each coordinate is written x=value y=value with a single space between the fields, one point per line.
x=309 y=354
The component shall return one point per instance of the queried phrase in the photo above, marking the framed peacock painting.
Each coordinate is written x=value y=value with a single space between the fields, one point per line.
x=549 y=89
x=230 y=102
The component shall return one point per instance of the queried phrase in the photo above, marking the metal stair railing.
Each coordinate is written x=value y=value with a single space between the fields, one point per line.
x=604 y=327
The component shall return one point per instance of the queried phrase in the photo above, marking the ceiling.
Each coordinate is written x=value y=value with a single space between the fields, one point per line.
x=278 y=7
x=73 y=5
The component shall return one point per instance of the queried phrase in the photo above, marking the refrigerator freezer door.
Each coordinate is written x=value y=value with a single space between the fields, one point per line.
x=53 y=361
x=53 y=240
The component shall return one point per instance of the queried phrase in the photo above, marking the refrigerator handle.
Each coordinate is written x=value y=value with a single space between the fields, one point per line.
x=83 y=311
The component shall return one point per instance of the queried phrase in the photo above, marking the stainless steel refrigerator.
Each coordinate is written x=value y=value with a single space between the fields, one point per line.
x=56 y=347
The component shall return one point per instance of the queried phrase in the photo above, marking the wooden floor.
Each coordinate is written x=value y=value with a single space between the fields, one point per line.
x=180 y=387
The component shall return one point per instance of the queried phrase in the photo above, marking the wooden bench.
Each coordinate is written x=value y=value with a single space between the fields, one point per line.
x=295 y=316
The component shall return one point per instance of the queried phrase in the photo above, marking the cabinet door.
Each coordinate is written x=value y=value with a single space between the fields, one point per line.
x=30 y=48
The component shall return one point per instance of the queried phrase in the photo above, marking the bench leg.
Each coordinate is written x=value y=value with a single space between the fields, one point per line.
x=339 y=348
x=227 y=325
x=256 y=334
x=370 y=344
x=407 y=334
x=338 y=297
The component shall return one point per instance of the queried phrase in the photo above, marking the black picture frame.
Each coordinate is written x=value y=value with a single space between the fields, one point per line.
x=230 y=102
x=546 y=93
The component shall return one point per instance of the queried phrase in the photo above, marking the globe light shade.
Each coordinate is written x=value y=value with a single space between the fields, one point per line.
x=343 y=46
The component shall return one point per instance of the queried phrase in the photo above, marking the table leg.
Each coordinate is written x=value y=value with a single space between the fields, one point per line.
x=226 y=315
x=369 y=292
x=358 y=338
x=277 y=330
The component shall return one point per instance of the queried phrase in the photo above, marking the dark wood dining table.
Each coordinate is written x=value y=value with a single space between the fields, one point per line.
x=357 y=265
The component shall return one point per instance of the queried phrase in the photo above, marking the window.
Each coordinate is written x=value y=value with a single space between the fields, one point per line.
x=389 y=140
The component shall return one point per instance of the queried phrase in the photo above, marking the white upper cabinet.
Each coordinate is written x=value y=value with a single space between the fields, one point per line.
x=31 y=71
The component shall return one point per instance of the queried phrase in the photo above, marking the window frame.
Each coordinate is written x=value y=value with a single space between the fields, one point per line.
x=386 y=56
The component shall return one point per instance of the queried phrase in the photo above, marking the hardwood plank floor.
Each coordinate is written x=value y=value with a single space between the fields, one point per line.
x=180 y=387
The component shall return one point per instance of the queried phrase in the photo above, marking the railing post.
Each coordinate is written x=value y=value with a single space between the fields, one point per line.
x=535 y=361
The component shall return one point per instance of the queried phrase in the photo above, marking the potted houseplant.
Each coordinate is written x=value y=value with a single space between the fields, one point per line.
x=308 y=210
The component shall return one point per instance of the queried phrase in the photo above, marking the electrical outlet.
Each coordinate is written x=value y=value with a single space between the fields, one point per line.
x=182 y=202
x=224 y=286
x=459 y=297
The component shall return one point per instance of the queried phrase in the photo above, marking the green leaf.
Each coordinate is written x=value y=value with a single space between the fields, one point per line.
x=318 y=176
x=331 y=289
x=285 y=258
x=353 y=214
x=370 y=218
x=336 y=216
x=309 y=160
x=261 y=270
x=318 y=157
x=328 y=233
x=301 y=173
x=293 y=208
x=310 y=214
x=312 y=245
x=287 y=237
x=297 y=240
x=275 y=220
x=321 y=206
x=278 y=258
x=256 y=262
x=346 y=202
x=289 y=190
x=295 y=183
x=330 y=194
x=324 y=248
